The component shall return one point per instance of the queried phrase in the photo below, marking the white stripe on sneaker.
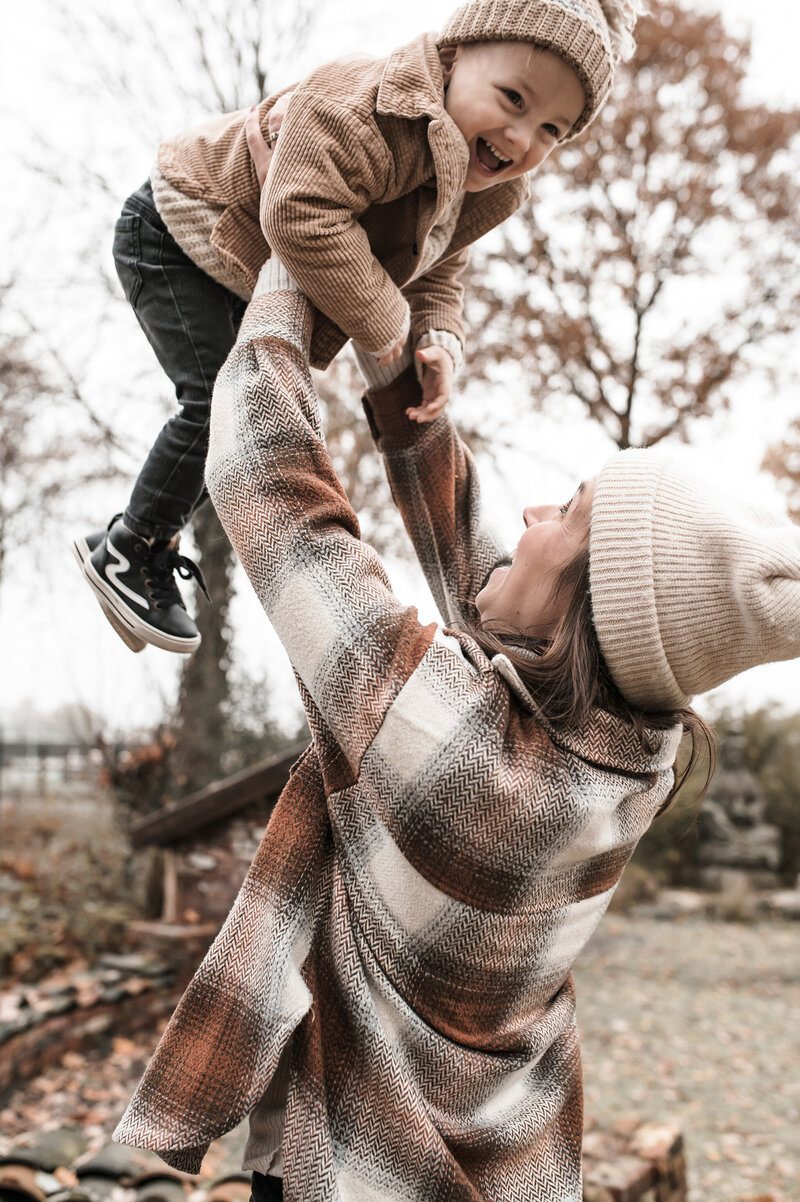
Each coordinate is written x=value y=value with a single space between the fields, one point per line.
x=113 y=572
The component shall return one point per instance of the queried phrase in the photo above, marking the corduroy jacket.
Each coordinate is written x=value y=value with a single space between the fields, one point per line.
x=366 y=163
x=437 y=861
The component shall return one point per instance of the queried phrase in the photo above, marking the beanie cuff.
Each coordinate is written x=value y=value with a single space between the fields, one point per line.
x=622 y=582
x=576 y=33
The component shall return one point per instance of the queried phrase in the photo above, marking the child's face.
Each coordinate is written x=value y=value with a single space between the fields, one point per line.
x=512 y=102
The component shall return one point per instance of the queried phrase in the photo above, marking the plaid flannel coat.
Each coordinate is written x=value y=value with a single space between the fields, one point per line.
x=366 y=163
x=437 y=861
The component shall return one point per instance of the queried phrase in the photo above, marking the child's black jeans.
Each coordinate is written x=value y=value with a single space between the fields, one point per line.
x=191 y=323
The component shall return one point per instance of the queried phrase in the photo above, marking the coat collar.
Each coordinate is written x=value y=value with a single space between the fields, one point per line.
x=605 y=740
x=412 y=86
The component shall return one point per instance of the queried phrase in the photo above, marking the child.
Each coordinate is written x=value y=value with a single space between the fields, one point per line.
x=384 y=173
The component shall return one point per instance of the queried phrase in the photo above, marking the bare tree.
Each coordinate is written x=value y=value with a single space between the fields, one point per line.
x=659 y=251
x=177 y=61
x=42 y=461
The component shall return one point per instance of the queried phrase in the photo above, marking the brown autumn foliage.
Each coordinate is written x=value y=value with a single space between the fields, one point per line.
x=658 y=251
x=783 y=461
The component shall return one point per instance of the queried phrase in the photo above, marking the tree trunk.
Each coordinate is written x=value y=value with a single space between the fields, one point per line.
x=202 y=717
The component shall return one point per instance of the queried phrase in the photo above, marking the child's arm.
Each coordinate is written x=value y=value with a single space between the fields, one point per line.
x=437 y=332
x=436 y=300
x=329 y=166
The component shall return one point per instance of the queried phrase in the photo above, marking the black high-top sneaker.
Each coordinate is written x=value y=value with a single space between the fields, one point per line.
x=134 y=578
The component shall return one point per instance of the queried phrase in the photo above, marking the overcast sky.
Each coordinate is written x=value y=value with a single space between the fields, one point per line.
x=55 y=645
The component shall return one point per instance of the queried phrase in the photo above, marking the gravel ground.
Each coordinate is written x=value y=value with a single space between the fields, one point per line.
x=693 y=1019
x=700 y=1020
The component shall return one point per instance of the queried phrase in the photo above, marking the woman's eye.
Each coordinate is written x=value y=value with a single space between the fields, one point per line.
x=551 y=129
x=514 y=97
x=564 y=508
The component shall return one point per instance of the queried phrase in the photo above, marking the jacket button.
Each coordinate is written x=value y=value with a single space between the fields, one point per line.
x=415 y=249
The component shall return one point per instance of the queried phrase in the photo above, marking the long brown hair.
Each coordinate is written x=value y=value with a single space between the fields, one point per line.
x=568 y=677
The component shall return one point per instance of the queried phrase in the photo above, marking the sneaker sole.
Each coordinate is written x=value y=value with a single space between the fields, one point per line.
x=81 y=551
x=131 y=622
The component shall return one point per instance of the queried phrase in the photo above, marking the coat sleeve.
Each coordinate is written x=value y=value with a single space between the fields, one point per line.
x=437 y=298
x=352 y=644
x=329 y=166
x=434 y=483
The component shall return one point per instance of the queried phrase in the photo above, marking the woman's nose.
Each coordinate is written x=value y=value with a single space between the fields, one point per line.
x=538 y=513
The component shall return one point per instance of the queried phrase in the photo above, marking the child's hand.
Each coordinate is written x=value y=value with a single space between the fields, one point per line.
x=437 y=378
x=261 y=150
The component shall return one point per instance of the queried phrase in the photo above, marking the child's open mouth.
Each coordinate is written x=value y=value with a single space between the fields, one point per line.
x=488 y=157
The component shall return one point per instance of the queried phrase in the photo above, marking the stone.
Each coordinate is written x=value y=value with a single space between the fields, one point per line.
x=784 y=903
x=113 y=1160
x=159 y=1187
x=734 y=838
x=231 y=1188
x=659 y=1143
x=22 y=1180
x=133 y=964
x=626 y=1177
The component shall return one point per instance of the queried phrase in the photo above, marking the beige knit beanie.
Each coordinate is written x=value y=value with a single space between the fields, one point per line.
x=590 y=35
x=688 y=587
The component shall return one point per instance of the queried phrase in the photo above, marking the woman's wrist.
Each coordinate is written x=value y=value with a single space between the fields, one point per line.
x=386 y=406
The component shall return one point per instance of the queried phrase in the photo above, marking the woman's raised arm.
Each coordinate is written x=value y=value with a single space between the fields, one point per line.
x=434 y=483
x=350 y=641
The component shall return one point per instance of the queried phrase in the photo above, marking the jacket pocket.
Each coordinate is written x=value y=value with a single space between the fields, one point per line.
x=127 y=255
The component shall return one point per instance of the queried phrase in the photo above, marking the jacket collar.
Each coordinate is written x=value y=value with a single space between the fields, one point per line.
x=412 y=86
x=605 y=740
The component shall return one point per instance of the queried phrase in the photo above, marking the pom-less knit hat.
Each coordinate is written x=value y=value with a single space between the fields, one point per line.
x=590 y=35
x=688 y=588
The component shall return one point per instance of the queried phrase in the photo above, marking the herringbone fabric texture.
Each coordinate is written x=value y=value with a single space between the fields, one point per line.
x=366 y=165
x=436 y=862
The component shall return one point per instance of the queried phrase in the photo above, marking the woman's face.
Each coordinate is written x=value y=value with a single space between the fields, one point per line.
x=518 y=596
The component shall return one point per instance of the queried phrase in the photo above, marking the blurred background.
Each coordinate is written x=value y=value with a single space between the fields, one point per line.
x=647 y=294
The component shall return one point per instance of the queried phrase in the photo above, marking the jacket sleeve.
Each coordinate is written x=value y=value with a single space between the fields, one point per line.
x=351 y=643
x=437 y=298
x=329 y=166
x=434 y=483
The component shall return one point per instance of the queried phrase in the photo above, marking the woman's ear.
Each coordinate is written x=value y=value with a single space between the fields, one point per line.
x=447 y=57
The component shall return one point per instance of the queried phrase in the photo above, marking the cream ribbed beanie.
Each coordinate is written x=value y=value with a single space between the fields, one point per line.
x=688 y=588
x=590 y=35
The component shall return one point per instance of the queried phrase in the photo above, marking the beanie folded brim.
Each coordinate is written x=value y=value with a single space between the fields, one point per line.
x=622 y=582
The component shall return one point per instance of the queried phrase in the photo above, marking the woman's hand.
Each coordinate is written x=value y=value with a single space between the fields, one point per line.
x=437 y=378
x=261 y=150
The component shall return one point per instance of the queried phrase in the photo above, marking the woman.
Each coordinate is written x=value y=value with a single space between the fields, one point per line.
x=390 y=999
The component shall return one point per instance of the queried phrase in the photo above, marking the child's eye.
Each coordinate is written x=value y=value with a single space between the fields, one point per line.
x=551 y=129
x=564 y=508
x=514 y=97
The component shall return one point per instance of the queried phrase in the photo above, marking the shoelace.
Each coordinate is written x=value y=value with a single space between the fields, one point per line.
x=164 y=563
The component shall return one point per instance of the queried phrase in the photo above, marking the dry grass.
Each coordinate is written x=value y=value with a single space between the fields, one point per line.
x=65 y=881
